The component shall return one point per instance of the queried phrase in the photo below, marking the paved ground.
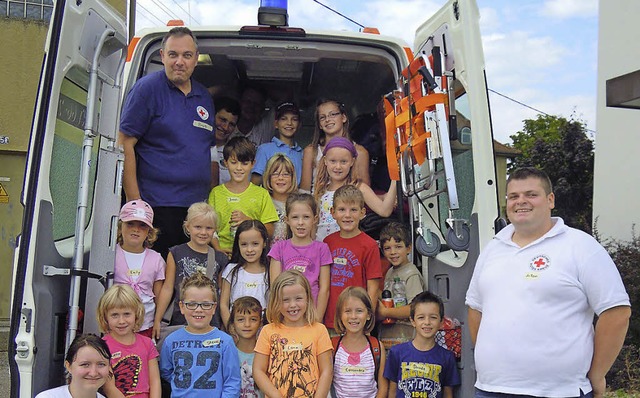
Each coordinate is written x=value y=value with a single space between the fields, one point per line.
x=5 y=380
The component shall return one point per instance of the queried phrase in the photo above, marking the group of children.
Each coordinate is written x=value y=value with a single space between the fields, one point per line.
x=296 y=261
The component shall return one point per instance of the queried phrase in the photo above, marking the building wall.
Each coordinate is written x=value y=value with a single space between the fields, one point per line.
x=23 y=53
x=616 y=208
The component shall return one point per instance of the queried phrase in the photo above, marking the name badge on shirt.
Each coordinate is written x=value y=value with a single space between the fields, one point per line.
x=202 y=125
x=293 y=347
x=251 y=285
x=116 y=355
x=211 y=343
x=233 y=199
x=353 y=370
x=134 y=272
x=300 y=268
x=340 y=260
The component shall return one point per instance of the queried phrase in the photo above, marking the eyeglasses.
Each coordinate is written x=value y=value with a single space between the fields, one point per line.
x=276 y=175
x=332 y=115
x=192 y=305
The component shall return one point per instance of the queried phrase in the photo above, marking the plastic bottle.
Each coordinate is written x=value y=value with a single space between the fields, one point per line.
x=399 y=292
x=387 y=301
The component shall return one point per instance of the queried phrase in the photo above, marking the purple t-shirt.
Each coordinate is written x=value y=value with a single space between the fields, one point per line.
x=174 y=132
x=306 y=259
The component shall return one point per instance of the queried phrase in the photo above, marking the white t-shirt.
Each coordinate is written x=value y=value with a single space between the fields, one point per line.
x=60 y=392
x=218 y=157
x=537 y=304
x=246 y=284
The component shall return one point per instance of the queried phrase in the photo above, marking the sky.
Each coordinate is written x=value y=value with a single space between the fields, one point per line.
x=542 y=53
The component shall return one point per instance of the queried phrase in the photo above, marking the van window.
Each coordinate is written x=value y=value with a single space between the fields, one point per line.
x=66 y=157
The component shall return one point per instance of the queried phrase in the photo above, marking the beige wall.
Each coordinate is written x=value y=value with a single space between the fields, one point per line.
x=616 y=207
x=22 y=47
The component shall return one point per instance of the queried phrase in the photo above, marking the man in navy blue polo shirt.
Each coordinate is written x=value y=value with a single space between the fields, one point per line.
x=166 y=130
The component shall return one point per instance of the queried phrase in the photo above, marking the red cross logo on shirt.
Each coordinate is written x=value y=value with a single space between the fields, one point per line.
x=202 y=112
x=539 y=263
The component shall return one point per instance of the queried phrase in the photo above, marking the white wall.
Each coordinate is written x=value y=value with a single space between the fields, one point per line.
x=616 y=199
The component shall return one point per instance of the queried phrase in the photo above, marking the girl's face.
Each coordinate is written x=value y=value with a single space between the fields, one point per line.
x=294 y=305
x=246 y=324
x=251 y=245
x=121 y=321
x=287 y=125
x=89 y=369
x=134 y=233
x=354 y=315
x=281 y=180
x=339 y=162
x=301 y=220
x=331 y=120
x=200 y=230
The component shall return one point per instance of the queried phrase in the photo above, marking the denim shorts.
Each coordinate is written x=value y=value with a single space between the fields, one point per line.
x=487 y=394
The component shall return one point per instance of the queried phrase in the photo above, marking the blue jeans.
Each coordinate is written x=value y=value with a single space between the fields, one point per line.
x=487 y=394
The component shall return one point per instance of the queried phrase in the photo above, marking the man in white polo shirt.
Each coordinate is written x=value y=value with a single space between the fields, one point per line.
x=532 y=299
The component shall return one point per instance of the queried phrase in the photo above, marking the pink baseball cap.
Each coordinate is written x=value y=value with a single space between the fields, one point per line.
x=137 y=210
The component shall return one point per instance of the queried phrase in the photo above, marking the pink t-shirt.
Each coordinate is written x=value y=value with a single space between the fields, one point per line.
x=306 y=259
x=130 y=364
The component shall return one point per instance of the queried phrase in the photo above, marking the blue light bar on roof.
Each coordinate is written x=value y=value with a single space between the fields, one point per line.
x=273 y=13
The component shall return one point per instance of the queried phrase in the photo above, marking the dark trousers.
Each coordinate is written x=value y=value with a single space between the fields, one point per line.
x=169 y=221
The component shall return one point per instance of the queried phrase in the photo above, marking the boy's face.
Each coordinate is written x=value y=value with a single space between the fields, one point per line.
x=225 y=125
x=426 y=320
x=287 y=125
x=239 y=171
x=396 y=252
x=198 y=319
x=348 y=216
x=246 y=324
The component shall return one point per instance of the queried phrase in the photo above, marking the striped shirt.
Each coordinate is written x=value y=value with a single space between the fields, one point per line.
x=353 y=374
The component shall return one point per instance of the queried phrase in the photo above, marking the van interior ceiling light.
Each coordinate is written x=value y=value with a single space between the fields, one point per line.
x=273 y=13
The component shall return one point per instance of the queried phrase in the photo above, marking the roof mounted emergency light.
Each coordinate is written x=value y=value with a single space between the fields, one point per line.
x=273 y=13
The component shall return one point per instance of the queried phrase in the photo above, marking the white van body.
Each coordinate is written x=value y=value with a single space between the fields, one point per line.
x=70 y=211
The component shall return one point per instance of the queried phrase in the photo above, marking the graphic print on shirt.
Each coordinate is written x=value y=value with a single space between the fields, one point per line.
x=185 y=365
x=247 y=389
x=420 y=379
x=126 y=372
x=300 y=263
x=189 y=265
x=345 y=265
x=291 y=365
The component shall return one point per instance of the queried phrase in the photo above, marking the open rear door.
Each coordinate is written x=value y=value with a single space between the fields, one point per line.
x=455 y=198
x=71 y=191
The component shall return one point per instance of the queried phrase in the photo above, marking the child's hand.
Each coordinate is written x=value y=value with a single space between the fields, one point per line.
x=237 y=217
x=156 y=330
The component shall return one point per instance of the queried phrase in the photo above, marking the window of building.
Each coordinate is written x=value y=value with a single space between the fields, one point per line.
x=27 y=9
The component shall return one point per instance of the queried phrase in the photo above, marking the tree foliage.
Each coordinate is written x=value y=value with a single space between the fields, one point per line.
x=562 y=149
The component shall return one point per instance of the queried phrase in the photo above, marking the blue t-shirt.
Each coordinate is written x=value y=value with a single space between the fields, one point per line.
x=174 y=132
x=204 y=365
x=268 y=149
x=425 y=372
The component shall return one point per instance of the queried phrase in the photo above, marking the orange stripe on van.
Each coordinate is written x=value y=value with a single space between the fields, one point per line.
x=132 y=46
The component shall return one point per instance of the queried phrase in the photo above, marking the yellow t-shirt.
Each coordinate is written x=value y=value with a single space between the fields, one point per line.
x=255 y=202
x=293 y=356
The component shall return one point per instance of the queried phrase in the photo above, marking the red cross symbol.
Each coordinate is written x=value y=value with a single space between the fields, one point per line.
x=539 y=262
x=202 y=112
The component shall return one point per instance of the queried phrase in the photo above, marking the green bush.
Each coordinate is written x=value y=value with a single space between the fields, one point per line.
x=625 y=372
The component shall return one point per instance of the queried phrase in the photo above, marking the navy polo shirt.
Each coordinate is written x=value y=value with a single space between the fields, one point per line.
x=268 y=149
x=174 y=132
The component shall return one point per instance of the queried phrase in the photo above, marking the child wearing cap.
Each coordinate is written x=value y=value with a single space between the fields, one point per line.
x=136 y=264
x=287 y=122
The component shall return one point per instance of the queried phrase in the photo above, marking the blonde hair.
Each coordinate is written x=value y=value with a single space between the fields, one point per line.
x=276 y=162
x=323 y=180
x=198 y=280
x=360 y=294
x=119 y=296
x=200 y=210
x=289 y=278
x=152 y=236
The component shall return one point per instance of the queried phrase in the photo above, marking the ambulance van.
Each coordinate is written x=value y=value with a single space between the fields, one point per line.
x=434 y=131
